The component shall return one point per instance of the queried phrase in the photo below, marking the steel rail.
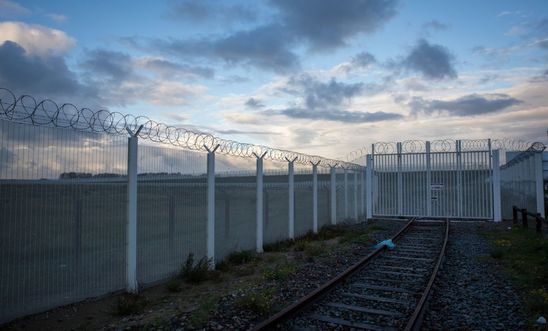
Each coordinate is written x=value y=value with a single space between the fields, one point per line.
x=292 y=309
x=415 y=321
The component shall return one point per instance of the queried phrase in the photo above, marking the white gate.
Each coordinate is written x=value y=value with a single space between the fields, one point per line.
x=441 y=178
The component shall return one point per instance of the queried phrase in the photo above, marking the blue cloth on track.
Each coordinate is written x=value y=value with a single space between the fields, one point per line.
x=388 y=243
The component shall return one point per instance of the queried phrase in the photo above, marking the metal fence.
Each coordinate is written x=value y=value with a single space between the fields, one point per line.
x=522 y=182
x=87 y=211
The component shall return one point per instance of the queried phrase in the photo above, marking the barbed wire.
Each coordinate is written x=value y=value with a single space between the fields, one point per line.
x=441 y=145
x=535 y=148
x=26 y=109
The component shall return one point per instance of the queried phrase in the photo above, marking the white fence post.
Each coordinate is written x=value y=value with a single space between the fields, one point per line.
x=369 y=187
x=211 y=206
x=400 y=180
x=459 y=177
x=496 y=187
x=362 y=194
x=291 y=175
x=132 y=285
x=356 y=195
x=333 y=193
x=259 y=217
x=539 y=184
x=315 y=196
x=428 y=180
x=345 y=192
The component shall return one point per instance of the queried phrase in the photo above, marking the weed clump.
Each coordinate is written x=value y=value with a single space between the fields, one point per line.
x=279 y=246
x=173 y=286
x=259 y=301
x=198 y=272
x=199 y=317
x=279 y=271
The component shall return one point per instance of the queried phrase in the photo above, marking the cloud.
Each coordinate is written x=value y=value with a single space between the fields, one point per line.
x=328 y=24
x=266 y=47
x=359 y=61
x=36 y=39
x=110 y=65
x=254 y=103
x=431 y=60
x=340 y=115
x=246 y=132
x=28 y=73
x=206 y=12
x=468 y=105
x=320 y=100
x=9 y=9
x=171 y=70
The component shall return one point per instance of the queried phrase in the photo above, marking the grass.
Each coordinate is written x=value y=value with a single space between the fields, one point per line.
x=524 y=255
x=130 y=304
x=280 y=271
x=241 y=257
x=174 y=286
x=259 y=301
x=197 y=272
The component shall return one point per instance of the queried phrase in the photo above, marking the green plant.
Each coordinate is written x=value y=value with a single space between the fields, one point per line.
x=246 y=270
x=200 y=315
x=314 y=250
x=300 y=245
x=279 y=271
x=130 y=304
x=241 y=257
x=195 y=272
x=258 y=301
x=223 y=266
x=331 y=231
x=497 y=253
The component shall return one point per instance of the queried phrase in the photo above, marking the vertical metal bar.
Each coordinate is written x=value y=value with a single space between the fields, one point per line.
x=356 y=195
x=259 y=216
x=539 y=182
x=291 y=173
x=315 y=198
x=333 y=194
x=459 y=178
x=369 y=187
x=362 y=196
x=428 y=180
x=496 y=187
x=131 y=247
x=400 y=184
x=211 y=208
x=345 y=193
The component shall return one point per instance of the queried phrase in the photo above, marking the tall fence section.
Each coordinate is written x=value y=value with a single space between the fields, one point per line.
x=97 y=202
x=94 y=202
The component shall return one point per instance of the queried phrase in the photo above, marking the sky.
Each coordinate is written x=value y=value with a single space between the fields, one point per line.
x=314 y=76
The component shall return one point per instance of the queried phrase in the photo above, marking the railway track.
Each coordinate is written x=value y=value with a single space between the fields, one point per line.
x=386 y=290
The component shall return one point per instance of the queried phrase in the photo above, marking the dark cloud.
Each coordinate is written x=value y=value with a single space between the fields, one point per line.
x=363 y=59
x=111 y=65
x=340 y=115
x=170 y=70
x=25 y=73
x=327 y=100
x=318 y=94
x=266 y=47
x=469 y=105
x=321 y=25
x=206 y=12
x=254 y=103
x=431 y=60
x=327 y=24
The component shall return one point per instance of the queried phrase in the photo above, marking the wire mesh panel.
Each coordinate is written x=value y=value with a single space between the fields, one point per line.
x=303 y=200
x=235 y=205
x=477 y=185
x=518 y=186
x=342 y=208
x=351 y=195
x=172 y=210
x=324 y=200
x=276 y=202
x=62 y=217
x=444 y=185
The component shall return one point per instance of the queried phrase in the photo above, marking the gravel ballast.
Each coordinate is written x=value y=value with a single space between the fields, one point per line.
x=471 y=291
